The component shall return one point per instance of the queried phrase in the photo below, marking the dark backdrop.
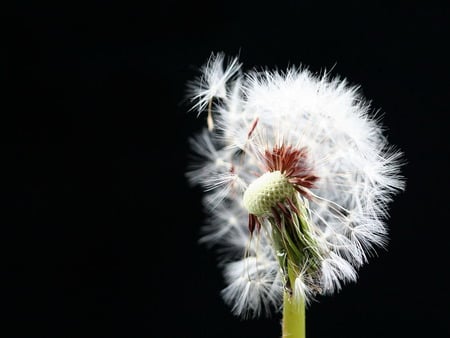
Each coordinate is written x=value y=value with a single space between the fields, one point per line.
x=99 y=230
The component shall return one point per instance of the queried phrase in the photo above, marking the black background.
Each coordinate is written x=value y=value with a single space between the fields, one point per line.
x=99 y=230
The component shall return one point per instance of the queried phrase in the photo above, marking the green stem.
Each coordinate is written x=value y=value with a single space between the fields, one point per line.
x=293 y=313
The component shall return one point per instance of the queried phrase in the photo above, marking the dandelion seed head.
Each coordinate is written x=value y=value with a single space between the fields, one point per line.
x=297 y=174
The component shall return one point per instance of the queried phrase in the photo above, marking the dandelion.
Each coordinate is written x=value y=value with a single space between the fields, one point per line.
x=297 y=176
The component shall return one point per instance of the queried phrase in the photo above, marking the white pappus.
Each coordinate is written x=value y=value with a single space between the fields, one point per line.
x=297 y=176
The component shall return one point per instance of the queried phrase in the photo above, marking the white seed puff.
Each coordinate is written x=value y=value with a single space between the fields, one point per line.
x=297 y=176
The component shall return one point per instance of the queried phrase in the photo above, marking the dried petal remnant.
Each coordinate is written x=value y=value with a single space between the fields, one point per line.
x=292 y=162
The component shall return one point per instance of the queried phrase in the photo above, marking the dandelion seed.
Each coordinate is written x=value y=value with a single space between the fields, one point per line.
x=212 y=84
x=297 y=176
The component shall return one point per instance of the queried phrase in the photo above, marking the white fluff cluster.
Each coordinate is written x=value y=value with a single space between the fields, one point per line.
x=357 y=171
